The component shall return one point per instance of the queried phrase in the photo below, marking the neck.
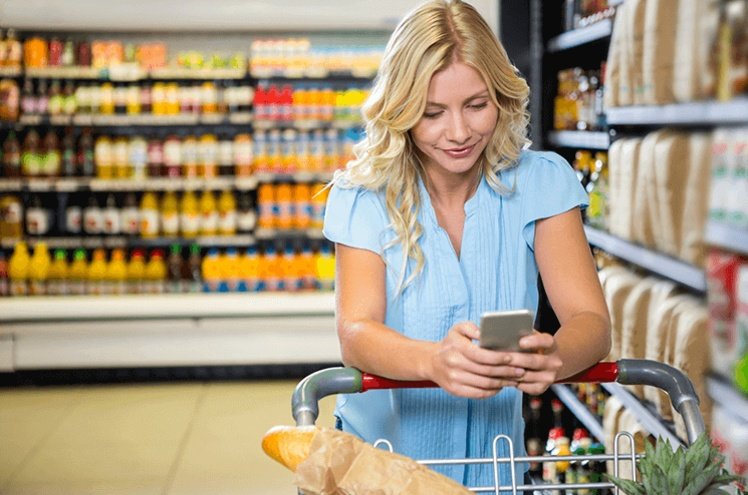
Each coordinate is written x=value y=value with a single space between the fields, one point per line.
x=452 y=190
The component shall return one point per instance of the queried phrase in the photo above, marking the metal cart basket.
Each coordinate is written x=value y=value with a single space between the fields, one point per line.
x=626 y=371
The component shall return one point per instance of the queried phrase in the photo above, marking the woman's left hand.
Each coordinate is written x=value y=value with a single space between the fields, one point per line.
x=541 y=362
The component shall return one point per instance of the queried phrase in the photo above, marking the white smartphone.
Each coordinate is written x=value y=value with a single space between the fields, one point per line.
x=501 y=330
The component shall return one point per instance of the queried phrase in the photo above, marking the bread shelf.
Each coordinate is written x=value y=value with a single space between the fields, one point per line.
x=733 y=112
x=578 y=37
x=580 y=411
x=727 y=237
x=679 y=271
x=580 y=139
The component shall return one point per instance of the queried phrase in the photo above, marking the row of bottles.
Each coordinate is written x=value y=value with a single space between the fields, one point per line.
x=58 y=273
x=294 y=150
x=11 y=51
x=291 y=206
x=592 y=171
x=582 y=13
x=50 y=155
x=149 y=216
x=578 y=105
x=305 y=102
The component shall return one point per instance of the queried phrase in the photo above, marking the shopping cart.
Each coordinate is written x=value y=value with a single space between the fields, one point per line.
x=330 y=381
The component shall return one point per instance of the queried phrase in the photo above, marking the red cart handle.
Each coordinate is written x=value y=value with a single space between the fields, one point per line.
x=599 y=373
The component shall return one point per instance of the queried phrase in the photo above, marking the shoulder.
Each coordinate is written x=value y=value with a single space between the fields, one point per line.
x=532 y=162
x=344 y=194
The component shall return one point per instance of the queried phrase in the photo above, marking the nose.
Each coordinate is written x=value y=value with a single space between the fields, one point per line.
x=458 y=130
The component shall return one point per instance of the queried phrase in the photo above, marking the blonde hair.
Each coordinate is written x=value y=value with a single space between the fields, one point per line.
x=426 y=41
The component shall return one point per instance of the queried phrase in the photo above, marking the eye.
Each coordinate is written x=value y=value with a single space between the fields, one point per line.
x=432 y=115
x=479 y=106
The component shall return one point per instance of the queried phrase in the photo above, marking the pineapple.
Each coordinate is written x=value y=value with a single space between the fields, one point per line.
x=696 y=470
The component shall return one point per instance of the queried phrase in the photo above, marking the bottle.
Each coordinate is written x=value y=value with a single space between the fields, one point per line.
x=291 y=269
x=246 y=216
x=534 y=442
x=106 y=99
x=155 y=158
x=155 y=273
x=189 y=157
x=104 y=158
x=149 y=215
x=270 y=269
x=120 y=99
x=57 y=277
x=189 y=215
x=242 y=156
x=111 y=216
x=136 y=272
x=4 y=278
x=37 y=217
x=120 y=158
x=266 y=204
x=39 y=270
x=230 y=271
x=10 y=100
x=250 y=269
x=192 y=270
x=18 y=270
x=175 y=270
x=42 y=100
x=325 y=261
x=56 y=99
x=225 y=156
x=130 y=215
x=31 y=163
x=69 y=165
x=549 y=467
x=11 y=217
x=285 y=214
x=28 y=98
x=319 y=200
x=208 y=214
x=55 y=52
x=117 y=273
x=11 y=156
x=85 y=155
x=207 y=155
x=227 y=215
x=93 y=217
x=137 y=157
x=210 y=273
x=78 y=273
x=133 y=100
x=50 y=155
x=69 y=102
x=302 y=206
x=68 y=54
x=170 y=214
x=13 y=50
x=172 y=157
x=97 y=272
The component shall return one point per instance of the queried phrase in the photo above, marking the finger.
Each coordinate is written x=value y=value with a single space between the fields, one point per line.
x=534 y=361
x=537 y=341
x=468 y=329
x=480 y=381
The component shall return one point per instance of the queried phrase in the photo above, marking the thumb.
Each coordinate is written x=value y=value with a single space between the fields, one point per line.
x=468 y=329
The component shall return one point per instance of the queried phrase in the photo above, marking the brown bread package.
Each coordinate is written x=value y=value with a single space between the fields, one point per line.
x=671 y=169
x=624 y=170
x=696 y=199
x=613 y=65
x=642 y=229
x=341 y=464
x=616 y=169
x=618 y=285
x=611 y=415
x=634 y=325
x=692 y=356
x=696 y=24
x=631 y=52
x=658 y=54
x=627 y=422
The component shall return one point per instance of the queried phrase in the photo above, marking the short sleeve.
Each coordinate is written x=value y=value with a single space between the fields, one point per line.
x=550 y=187
x=356 y=217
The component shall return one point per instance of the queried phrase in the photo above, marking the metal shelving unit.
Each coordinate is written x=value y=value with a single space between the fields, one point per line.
x=595 y=32
x=580 y=139
x=73 y=184
x=684 y=273
x=121 y=241
x=727 y=237
x=580 y=411
x=734 y=112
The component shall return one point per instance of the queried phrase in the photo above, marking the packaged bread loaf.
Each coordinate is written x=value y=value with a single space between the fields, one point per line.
x=626 y=177
x=617 y=288
x=696 y=199
x=658 y=54
x=612 y=67
x=611 y=415
x=627 y=422
x=634 y=327
x=615 y=170
x=631 y=52
x=670 y=172
x=644 y=198
x=693 y=37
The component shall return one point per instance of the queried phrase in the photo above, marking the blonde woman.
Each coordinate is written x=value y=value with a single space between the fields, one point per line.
x=444 y=215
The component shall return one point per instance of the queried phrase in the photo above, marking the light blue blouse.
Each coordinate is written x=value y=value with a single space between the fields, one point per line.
x=495 y=271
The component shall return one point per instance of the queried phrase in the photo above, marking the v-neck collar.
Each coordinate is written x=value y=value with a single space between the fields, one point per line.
x=471 y=205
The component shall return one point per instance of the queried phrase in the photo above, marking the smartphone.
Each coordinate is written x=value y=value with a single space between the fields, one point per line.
x=501 y=330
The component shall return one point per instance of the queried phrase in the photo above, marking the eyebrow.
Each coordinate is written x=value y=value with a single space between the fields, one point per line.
x=482 y=94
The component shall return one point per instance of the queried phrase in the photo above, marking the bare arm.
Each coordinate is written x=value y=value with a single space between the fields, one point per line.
x=456 y=363
x=573 y=288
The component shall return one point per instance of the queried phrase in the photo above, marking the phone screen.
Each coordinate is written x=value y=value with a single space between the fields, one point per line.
x=501 y=330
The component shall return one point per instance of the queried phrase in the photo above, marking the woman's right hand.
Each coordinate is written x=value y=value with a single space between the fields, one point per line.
x=464 y=369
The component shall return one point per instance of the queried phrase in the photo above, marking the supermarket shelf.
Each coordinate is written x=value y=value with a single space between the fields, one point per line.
x=266 y=177
x=269 y=234
x=580 y=139
x=10 y=185
x=239 y=118
x=727 y=396
x=728 y=237
x=121 y=241
x=658 y=263
x=311 y=73
x=165 y=306
x=579 y=410
x=694 y=113
x=66 y=73
x=305 y=125
x=598 y=31
x=64 y=184
x=183 y=73
x=10 y=72
x=131 y=73
x=650 y=421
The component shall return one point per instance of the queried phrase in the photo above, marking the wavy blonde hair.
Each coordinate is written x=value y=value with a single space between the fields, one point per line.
x=426 y=41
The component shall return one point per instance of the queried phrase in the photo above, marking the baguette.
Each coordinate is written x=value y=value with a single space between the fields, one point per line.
x=289 y=445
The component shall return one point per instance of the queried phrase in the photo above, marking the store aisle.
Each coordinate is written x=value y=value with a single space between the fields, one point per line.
x=171 y=439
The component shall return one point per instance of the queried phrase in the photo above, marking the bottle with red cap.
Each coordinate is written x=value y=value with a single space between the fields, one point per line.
x=260 y=104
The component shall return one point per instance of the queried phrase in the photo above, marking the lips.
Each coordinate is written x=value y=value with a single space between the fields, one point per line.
x=460 y=152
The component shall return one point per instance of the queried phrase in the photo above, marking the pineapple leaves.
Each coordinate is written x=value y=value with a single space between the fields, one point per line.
x=627 y=486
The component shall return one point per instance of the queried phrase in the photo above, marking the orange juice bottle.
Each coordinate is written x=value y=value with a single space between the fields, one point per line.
x=155 y=273
x=136 y=272
x=78 y=273
x=300 y=100
x=189 y=215
x=284 y=206
x=226 y=213
x=250 y=269
x=243 y=155
x=291 y=269
x=207 y=156
x=170 y=214
x=270 y=269
x=208 y=214
x=290 y=161
x=302 y=196
x=39 y=270
x=149 y=215
x=117 y=273
x=210 y=267
x=325 y=268
x=266 y=206
x=307 y=268
x=58 y=274
x=96 y=284
x=275 y=152
x=18 y=270
x=230 y=270
x=318 y=202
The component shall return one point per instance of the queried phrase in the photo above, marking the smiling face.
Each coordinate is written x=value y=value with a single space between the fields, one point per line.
x=458 y=122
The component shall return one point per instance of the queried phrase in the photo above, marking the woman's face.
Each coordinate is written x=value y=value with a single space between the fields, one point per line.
x=459 y=119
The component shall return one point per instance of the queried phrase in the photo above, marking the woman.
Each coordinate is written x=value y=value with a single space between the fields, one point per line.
x=442 y=216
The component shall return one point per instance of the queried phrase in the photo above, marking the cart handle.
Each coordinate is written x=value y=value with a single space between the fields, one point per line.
x=306 y=396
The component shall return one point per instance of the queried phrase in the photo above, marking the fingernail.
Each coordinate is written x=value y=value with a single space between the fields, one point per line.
x=519 y=371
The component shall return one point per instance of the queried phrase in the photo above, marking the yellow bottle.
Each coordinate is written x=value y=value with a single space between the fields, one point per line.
x=155 y=273
x=97 y=274
x=189 y=215
x=325 y=268
x=270 y=269
x=211 y=273
x=249 y=268
x=266 y=205
x=226 y=213
x=302 y=195
x=58 y=274
x=284 y=205
x=136 y=272
x=18 y=270
x=39 y=270
x=208 y=214
x=318 y=202
x=78 y=273
x=149 y=215
x=117 y=272
x=170 y=214
x=230 y=270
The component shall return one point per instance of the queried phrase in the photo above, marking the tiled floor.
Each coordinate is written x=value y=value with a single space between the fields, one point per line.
x=171 y=439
